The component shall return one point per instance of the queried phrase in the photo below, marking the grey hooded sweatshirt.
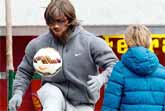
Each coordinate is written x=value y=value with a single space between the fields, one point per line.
x=81 y=56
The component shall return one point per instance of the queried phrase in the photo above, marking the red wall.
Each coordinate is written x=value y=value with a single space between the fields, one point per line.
x=3 y=95
x=19 y=44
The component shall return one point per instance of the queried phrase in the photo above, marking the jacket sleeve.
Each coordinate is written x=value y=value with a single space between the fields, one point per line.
x=113 y=92
x=103 y=56
x=25 y=70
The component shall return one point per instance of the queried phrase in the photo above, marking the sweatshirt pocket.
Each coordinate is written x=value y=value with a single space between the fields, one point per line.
x=93 y=96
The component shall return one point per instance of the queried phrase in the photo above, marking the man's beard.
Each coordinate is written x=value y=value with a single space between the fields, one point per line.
x=63 y=38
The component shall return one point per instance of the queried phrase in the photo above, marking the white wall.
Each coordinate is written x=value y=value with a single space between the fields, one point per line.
x=25 y=12
x=119 y=12
x=2 y=12
x=91 y=12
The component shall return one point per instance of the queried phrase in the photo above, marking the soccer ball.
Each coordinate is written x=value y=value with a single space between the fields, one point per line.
x=47 y=61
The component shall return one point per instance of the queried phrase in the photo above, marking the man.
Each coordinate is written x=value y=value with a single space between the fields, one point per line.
x=76 y=86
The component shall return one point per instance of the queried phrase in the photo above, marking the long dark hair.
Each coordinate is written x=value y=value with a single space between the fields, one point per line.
x=60 y=8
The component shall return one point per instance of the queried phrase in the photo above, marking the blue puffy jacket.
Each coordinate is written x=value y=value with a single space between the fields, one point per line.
x=137 y=83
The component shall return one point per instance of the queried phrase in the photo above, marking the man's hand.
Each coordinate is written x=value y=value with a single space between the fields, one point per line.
x=15 y=101
x=95 y=82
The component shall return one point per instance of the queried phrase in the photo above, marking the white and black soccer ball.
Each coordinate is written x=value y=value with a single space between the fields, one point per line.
x=47 y=61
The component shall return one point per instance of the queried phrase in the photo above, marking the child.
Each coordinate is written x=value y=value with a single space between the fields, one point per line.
x=137 y=82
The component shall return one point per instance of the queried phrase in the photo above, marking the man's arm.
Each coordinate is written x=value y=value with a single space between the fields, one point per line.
x=25 y=70
x=103 y=56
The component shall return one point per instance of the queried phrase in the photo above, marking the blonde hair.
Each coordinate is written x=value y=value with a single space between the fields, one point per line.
x=137 y=35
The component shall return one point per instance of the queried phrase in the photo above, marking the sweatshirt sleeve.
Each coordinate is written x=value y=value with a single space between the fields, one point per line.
x=113 y=92
x=103 y=56
x=25 y=70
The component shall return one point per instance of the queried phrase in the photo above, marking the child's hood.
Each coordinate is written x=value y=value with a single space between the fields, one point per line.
x=140 y=60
